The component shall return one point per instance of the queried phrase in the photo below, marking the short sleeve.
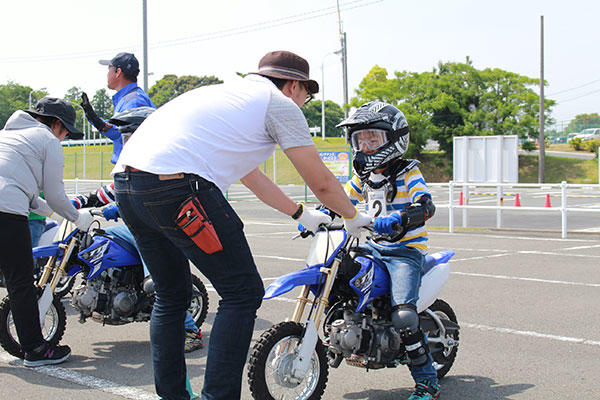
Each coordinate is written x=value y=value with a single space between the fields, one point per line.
x=285 y=123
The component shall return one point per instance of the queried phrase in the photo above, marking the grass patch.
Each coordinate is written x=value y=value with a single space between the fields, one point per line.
x=558 y=169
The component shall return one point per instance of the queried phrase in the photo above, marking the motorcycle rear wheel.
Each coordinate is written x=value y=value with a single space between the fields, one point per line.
x=199 y=304
x=53 y=330
x=443 y=358
x=270 y=364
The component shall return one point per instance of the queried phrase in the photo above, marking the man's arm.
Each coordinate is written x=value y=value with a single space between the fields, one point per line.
x=268 y=192
x=320 y=180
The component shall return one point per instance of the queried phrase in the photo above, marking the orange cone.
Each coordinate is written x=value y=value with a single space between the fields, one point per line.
x=460 y=199
x=517 y=201
x=547 y=203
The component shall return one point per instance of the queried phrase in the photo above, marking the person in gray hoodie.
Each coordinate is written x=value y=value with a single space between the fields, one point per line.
x=31 y=161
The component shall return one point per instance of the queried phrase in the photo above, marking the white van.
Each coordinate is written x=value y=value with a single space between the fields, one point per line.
x=590 y=134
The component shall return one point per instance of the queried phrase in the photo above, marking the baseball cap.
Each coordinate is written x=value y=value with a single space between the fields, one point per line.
x=126 y=61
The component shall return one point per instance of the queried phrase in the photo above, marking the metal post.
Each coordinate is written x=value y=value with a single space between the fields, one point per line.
x=541 y=140
x=465 y=202
x=499 y=205
x=275 y=166
x=450 y=206
x=323 y=99
x=345 y=72
x=563 y=208
x=145 y=44
x=101 y=165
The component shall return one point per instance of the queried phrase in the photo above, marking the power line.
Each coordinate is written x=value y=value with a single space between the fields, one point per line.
x=578 y=97
x=574 y=88
x=203 y=37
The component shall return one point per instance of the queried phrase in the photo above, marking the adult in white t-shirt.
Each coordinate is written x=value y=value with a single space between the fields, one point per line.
x=201 y=142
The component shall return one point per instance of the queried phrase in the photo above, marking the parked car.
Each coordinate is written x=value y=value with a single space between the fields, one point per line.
x=590 y=134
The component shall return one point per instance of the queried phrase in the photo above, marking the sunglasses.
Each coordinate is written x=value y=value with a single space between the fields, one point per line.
x=309 y=95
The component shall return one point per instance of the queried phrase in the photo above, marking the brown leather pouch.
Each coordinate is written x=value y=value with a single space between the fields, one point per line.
x=193 y=221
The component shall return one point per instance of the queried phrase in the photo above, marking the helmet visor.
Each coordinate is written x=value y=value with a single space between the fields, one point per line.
x=368 y=139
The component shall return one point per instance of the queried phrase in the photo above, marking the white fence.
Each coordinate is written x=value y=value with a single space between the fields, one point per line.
x=464 y=187
x=83 y=186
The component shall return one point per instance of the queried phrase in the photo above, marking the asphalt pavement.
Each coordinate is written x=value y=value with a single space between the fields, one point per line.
x=526 y=302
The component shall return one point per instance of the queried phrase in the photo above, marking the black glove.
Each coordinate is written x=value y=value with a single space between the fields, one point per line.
x=91 y=115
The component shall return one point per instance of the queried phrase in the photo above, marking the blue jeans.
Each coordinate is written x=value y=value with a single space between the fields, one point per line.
x=405 y=266
x=148 y=207
x=36 y=226
x=123 y=232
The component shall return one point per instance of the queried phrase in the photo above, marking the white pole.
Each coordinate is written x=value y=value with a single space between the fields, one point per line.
x=275 y=166
x=499 y=205
x=323 y=99
x=563 y=211
x=451 y=206
x=465 y=202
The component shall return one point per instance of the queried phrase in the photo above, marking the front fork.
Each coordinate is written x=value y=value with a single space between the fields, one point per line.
x=311 y=335
x=48 y=289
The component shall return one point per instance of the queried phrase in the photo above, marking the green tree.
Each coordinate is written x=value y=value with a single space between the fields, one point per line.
x=102 y=104
x=333 y=116
x=15 y=97
x=171 y=86
x=583 y=121
x=456 y=99
x=73 y=96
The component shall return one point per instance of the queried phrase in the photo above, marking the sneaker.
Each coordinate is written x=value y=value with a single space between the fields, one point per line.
x=193 y=341
x=425 y=390
x=47 y=355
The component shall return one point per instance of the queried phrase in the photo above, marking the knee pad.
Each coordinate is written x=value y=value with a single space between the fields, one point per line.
x=405 y=317
x=406 y=320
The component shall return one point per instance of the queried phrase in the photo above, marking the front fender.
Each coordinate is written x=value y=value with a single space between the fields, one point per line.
x=46 y=251
x=285 y=283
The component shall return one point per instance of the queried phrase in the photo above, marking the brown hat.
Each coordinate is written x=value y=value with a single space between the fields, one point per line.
x=286 y=65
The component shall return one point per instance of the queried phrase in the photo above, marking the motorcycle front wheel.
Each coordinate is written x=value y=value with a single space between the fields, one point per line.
x=52 y=331
x=199 y=304
x=270 y=365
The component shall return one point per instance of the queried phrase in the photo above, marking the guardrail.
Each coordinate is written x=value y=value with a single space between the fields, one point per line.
x=563 y=209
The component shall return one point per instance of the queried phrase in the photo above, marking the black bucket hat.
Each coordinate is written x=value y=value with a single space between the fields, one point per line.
x=286 y=65
x=53 y=107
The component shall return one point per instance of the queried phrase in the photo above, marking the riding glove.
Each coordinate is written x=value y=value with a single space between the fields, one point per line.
x=311 y=219
x=324 y=210
x=84 y=220
x=386 y=225
x=354 y=225
x=111 y=212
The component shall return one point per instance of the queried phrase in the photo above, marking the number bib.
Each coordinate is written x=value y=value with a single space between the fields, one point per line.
x=376 y=204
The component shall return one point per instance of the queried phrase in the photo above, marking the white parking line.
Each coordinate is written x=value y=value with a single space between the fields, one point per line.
x=84 y=380
x=530 y=333
x=515 y=278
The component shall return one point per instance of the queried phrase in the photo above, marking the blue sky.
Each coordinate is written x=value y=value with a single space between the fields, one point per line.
x=57 y=44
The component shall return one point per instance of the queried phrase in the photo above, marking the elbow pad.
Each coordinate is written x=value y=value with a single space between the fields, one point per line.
x=416 y=214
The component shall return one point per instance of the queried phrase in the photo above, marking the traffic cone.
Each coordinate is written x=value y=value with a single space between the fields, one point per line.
x=517 y=201
x=547 y=203
x=460 y=199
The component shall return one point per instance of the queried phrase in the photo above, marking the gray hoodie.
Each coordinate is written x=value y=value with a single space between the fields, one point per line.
x=32 y=160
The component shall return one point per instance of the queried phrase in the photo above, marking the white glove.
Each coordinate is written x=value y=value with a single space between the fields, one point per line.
x=311 y=219
x=354 y=225
x=84 y=220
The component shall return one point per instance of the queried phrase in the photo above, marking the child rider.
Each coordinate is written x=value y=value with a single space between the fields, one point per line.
x=397 y=197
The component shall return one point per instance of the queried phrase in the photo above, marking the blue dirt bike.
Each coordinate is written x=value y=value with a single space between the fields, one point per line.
x=113 y=288
x=351 y=302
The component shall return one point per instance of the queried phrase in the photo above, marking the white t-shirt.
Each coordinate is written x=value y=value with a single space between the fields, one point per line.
x=219 y=132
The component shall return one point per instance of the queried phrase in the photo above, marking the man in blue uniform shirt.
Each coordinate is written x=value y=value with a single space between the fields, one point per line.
x=123 y=70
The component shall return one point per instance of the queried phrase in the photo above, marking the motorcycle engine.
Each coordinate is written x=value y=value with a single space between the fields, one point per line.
x=106 y=299
x=364 y=342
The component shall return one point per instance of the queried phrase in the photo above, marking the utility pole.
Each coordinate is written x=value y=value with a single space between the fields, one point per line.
x=344 y=60
x=541 y=140
x=145 y=44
